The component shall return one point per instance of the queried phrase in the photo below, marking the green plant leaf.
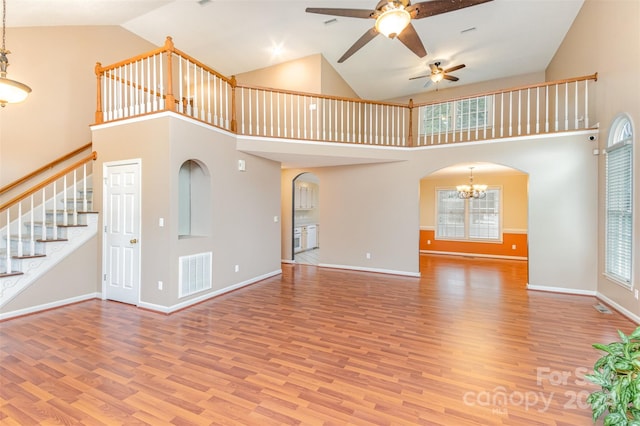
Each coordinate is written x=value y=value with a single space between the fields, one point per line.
x=623 y=337
x=615 y=419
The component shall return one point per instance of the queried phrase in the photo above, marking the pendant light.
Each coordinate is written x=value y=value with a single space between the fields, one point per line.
x=11 y=91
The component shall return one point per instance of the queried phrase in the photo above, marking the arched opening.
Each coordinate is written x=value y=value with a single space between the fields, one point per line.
x=305 y=244
x=194 y=199
x=492 y=224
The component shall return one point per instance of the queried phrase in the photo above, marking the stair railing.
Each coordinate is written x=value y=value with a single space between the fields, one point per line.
x=40 y=171
x=22 y=213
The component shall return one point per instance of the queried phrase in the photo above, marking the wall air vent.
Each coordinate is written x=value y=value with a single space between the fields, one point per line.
x=194 y=273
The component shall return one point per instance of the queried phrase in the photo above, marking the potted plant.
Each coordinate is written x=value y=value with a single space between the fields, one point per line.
x=618 y=374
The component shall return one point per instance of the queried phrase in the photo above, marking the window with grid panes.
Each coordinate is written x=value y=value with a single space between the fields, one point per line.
x=473 y=219
x=458 y=115
x=619 y=202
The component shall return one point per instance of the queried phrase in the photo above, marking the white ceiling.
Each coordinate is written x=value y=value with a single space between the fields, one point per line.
x=511 y=37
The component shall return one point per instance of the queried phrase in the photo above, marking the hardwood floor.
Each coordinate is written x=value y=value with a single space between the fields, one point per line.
x=466 y=344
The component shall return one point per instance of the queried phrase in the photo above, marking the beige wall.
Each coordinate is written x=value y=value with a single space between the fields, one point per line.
x=244 y=204
x=72 y=279
x=605 y=38
x=312 y=74
x=514 y=196
x=58 y=64
x=375 y=208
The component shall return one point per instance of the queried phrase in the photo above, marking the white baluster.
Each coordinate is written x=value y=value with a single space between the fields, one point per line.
x=84 y=188
x=64 y=201
x=501 y=114
x=32 y=237
x=546 y=113
x=20 y=228
x=43 y=207
x=557 y=105
x=8 y=255
x=537 y=110
x=55 y=211
x=75 y=198
x=566 y=106
x=576 y=107
x=242 y=108
x=586 y=104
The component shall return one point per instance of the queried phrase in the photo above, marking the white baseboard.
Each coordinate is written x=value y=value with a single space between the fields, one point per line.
x=207 y=296
x=363 y=269
x=51 y=305
x=627 y=313
x=488 y=256
x=574 y=291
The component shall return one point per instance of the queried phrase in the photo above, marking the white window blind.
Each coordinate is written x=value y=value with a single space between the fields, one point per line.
x=619 y=203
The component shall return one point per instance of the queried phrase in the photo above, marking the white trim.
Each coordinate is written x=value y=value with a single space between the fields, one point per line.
x=50 y=305
x=459 y=253
x=157 y=115
x=633 y=317
x=105 y=167
x=515 y=231
x=363 y=269
x=573 y=291
x=190 y=302
x=293 y=262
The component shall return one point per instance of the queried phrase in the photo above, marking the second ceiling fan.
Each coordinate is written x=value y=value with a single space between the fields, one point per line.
x=393 y=19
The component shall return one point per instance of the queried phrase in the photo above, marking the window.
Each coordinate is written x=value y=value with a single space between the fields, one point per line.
x=454 y=116
x=619 y=201
x=473 y=219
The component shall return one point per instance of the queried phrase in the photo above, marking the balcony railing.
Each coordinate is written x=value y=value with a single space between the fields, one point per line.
x=167 y=79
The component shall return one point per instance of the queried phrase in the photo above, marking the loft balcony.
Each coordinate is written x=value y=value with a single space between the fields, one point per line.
x=167 y=79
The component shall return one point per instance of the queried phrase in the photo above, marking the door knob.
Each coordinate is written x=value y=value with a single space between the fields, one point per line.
x=133 y=241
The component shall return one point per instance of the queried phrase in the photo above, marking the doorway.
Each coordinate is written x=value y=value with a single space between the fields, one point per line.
x=121 y=243
x=490 y=224
x=305 y=244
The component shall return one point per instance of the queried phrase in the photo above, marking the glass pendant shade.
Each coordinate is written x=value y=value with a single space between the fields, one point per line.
x=392 y=22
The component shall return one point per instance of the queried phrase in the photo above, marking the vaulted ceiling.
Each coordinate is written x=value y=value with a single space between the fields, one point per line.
x=497 y=39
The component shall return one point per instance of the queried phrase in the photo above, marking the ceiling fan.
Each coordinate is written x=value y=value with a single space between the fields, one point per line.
x=438 y=74
x=393 y=19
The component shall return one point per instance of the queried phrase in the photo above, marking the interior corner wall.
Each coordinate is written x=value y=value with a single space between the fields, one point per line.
x=332 y=83
x=58 y=64
x=604 y=38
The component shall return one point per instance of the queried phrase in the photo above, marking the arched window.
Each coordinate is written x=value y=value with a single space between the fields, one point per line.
x=194 y=195
x=619 y=201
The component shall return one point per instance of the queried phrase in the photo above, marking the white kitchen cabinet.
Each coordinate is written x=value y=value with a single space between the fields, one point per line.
x=312 y=237
x=305 y=196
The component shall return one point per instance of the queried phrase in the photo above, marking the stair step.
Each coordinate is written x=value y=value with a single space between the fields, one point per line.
x=10 y=274
x=29 y=256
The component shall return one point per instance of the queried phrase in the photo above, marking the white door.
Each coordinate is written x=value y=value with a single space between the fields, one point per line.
x=121 y=254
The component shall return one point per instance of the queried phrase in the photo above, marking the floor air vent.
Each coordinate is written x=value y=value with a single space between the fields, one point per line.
x=195 y=273
x=602 y=309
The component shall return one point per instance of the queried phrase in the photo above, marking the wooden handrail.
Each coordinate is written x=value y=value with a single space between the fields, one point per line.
x=514 y=89
x=61 y=173
x=44 y=168
x=316 y=95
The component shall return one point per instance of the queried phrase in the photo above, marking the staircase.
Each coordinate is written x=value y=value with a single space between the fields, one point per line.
x=43 y=225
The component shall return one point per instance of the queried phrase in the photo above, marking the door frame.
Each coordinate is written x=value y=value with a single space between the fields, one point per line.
x=105 y=167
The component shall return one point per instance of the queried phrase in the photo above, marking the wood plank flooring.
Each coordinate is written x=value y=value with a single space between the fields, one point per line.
x=466 y=344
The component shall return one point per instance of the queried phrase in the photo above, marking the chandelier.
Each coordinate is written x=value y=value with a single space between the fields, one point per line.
x=11 y=91
x=472 y=190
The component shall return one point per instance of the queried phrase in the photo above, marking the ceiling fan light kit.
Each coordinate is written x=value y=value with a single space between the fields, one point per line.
x=392 y=21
